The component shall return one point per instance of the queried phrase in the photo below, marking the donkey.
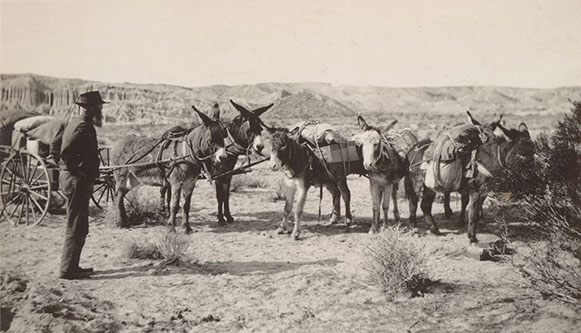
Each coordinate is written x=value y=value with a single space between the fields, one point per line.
x=245 y=134
x=385 y=168
x=165 y=189
x=501 y=147
x=202 y=146
x=302 y=170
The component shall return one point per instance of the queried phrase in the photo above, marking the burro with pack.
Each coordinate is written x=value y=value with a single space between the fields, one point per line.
x=338 y=155
x=451 y=157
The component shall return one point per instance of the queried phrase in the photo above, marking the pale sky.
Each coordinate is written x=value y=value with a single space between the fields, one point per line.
x=394 y=43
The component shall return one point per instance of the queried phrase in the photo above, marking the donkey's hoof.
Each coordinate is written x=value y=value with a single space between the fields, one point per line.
x=373 y=231
x=473 y=240
x=334 y=219
x=281 y=231
x=221 y=222
x=229 y=220
x=435 y=232
x=348 y=221
x=295 y=235
x=188 y=230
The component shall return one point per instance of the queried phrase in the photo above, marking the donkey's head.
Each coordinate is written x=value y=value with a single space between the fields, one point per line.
x=249 y=132
x=210 y=138
x=370 y=141
x=514 y=145
x=281 y=148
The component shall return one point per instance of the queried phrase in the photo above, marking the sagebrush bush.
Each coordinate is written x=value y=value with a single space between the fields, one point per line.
x=552 y=206
x=170 y=247
x=396 y=262
x=141 y=206
x=144 y=250
x=173 y=246
x=246 y=180
x=279 y=192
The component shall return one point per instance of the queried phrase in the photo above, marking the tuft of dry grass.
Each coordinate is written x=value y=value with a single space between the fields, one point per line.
x=396 y=262
x=246 y=181
x=141 y=205
x=171 y=247
x=279 y=192
x=145 y=251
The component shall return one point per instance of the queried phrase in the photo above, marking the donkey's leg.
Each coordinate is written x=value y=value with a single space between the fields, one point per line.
x=220 y=199
x=412 y=199
x=394 y=189
x=346 y=194
x=336 y=194
x=447 y=210
x=473 y=215
x=188 y=189
x=302 y=189
x=168 y=198
x=480 y=204
x=162 y=192
x=122 y=214
x=288 y=206
x=465 y=198
x=376 y=196
x=226 y=192
x=427 y=200
x=386 y=193
x=174 y=205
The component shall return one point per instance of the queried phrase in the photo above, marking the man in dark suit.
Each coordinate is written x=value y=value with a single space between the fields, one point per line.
x=79 y=164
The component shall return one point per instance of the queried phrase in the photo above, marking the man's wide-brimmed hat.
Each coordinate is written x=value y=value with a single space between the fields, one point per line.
x=89 y=99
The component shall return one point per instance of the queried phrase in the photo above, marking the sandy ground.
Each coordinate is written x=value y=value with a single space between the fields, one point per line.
x=243 y=277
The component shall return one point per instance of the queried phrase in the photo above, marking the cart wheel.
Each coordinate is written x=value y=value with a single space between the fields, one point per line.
x=25 y=189
x=104 y=190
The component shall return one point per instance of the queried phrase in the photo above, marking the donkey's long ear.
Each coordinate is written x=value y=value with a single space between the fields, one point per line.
x=268 y=129
x=389 y=126
x=524 y=129
x=262 y=110
x=205 y=119
x=362 y=123
x=504 y=132
x=471 y=119
x=216 y=112
x=243 y=111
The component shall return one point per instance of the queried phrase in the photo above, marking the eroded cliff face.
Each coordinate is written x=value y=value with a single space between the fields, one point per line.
x=126 y=104
x=165 y=104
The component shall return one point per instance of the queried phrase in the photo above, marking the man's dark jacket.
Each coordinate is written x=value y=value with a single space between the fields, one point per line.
x=79 y=152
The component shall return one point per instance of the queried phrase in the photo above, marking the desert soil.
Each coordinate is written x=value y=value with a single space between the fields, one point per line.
x=244 y=277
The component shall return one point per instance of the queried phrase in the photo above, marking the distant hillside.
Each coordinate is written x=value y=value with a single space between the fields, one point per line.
x=157 y=103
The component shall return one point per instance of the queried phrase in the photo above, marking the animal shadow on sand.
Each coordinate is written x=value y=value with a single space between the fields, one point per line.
x=451 y=225
x=270 y=220
x=208 y=268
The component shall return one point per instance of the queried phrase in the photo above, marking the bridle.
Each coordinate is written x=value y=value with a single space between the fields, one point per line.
x=287 y=164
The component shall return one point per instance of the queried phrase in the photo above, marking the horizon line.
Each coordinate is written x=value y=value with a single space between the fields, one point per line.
x=294 y=82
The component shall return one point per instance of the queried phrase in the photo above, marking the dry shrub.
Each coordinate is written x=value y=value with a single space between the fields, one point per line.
x=396 y=262
x=145 y=251
x=279 y=193
x=141 y=205
x=173 y=246
x=552 y=207
x=553 y=266
x=170 y=247
x=246 y=181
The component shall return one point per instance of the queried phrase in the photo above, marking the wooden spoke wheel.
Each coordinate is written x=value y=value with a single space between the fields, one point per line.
x=104 y=189
x=25 y=189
